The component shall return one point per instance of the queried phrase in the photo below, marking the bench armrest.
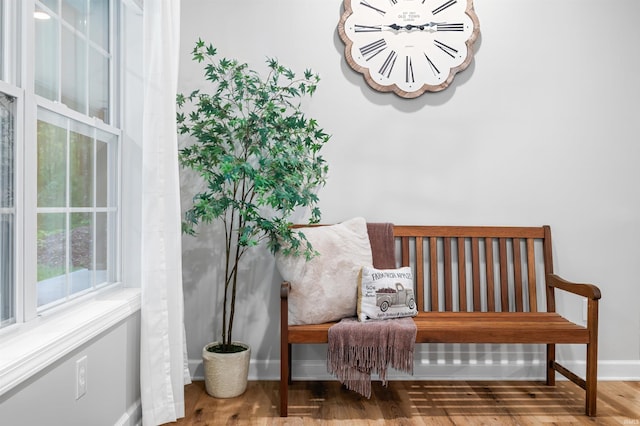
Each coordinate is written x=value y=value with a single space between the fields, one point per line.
x=589 y=291
x=285 y=288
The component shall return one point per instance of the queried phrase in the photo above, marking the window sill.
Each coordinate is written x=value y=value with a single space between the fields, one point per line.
x=29 y=348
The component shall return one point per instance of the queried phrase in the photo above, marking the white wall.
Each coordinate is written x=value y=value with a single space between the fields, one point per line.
x=542 y=128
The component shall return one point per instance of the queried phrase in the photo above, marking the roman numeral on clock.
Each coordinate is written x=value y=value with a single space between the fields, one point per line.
x=408 y=74
x=387 y=65
x=367 y=28
x=445 y=48
x=443 y=6
x=450 y=27
x=366 y=4
x=434 y=69
x=372 y=49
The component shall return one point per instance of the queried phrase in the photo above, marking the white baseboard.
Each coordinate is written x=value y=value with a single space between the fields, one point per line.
x=608 y=370
x=195 y=369
x=133 y=416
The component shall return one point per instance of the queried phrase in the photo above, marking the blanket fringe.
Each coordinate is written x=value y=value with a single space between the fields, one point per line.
x=356 y=350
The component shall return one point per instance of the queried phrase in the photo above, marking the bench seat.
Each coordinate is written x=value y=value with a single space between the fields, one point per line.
x=473 y=327
x=503 y=327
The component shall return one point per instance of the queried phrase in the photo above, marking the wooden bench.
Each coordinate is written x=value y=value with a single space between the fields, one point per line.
x=479 y=285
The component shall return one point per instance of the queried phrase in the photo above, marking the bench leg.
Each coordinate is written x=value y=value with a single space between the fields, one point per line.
x=551 y=358
x=591 y=383
x=592 y=379
x=289 y=379
x=285 y=377
x=285 y=350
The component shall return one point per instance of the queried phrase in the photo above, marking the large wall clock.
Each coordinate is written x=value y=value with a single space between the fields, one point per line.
x=409 y=46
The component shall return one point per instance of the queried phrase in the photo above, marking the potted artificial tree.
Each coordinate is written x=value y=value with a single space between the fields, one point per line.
x=259 y=158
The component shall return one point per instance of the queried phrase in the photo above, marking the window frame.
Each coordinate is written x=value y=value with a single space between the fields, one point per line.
x=19 y=82
x=18 y=197
x=10 y=14
x=114 y=236
x=90 y=46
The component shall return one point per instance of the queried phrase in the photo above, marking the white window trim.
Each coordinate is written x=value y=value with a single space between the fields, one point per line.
x=30 y=347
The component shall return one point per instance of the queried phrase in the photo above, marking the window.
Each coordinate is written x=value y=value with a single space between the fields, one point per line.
x=7 y=211
x=2 y=39
x=68 y=202
x=8 y=134
x=72 y=56
x=77 y=207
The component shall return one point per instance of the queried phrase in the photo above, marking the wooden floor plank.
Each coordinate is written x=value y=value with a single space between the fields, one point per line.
x=419 y=403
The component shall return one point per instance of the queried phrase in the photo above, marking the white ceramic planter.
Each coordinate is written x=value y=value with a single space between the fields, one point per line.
x=226 y=374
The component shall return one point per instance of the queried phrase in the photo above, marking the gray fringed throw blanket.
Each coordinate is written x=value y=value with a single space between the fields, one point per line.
x=357 y=349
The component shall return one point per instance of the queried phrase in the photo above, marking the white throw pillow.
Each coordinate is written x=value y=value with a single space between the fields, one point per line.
x=386 y=293
x=325 y=288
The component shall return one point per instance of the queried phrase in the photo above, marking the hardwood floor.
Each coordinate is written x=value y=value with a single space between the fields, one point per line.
x=417 y=403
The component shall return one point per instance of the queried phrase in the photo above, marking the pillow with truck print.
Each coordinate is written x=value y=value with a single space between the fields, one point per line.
x=385 y=293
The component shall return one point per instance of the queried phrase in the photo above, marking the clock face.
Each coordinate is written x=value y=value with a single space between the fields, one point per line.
x=409 y=46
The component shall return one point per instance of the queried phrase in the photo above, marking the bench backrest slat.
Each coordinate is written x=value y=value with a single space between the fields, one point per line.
x=531 y=259
x=477 y=268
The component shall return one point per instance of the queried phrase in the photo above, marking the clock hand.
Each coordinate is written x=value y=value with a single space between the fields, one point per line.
x=428 y=26
x=431 y=24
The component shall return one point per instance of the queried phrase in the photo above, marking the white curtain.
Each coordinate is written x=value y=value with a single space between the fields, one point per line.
x=163 y=361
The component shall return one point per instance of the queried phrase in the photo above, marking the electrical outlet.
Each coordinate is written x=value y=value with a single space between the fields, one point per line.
x=81 y=377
